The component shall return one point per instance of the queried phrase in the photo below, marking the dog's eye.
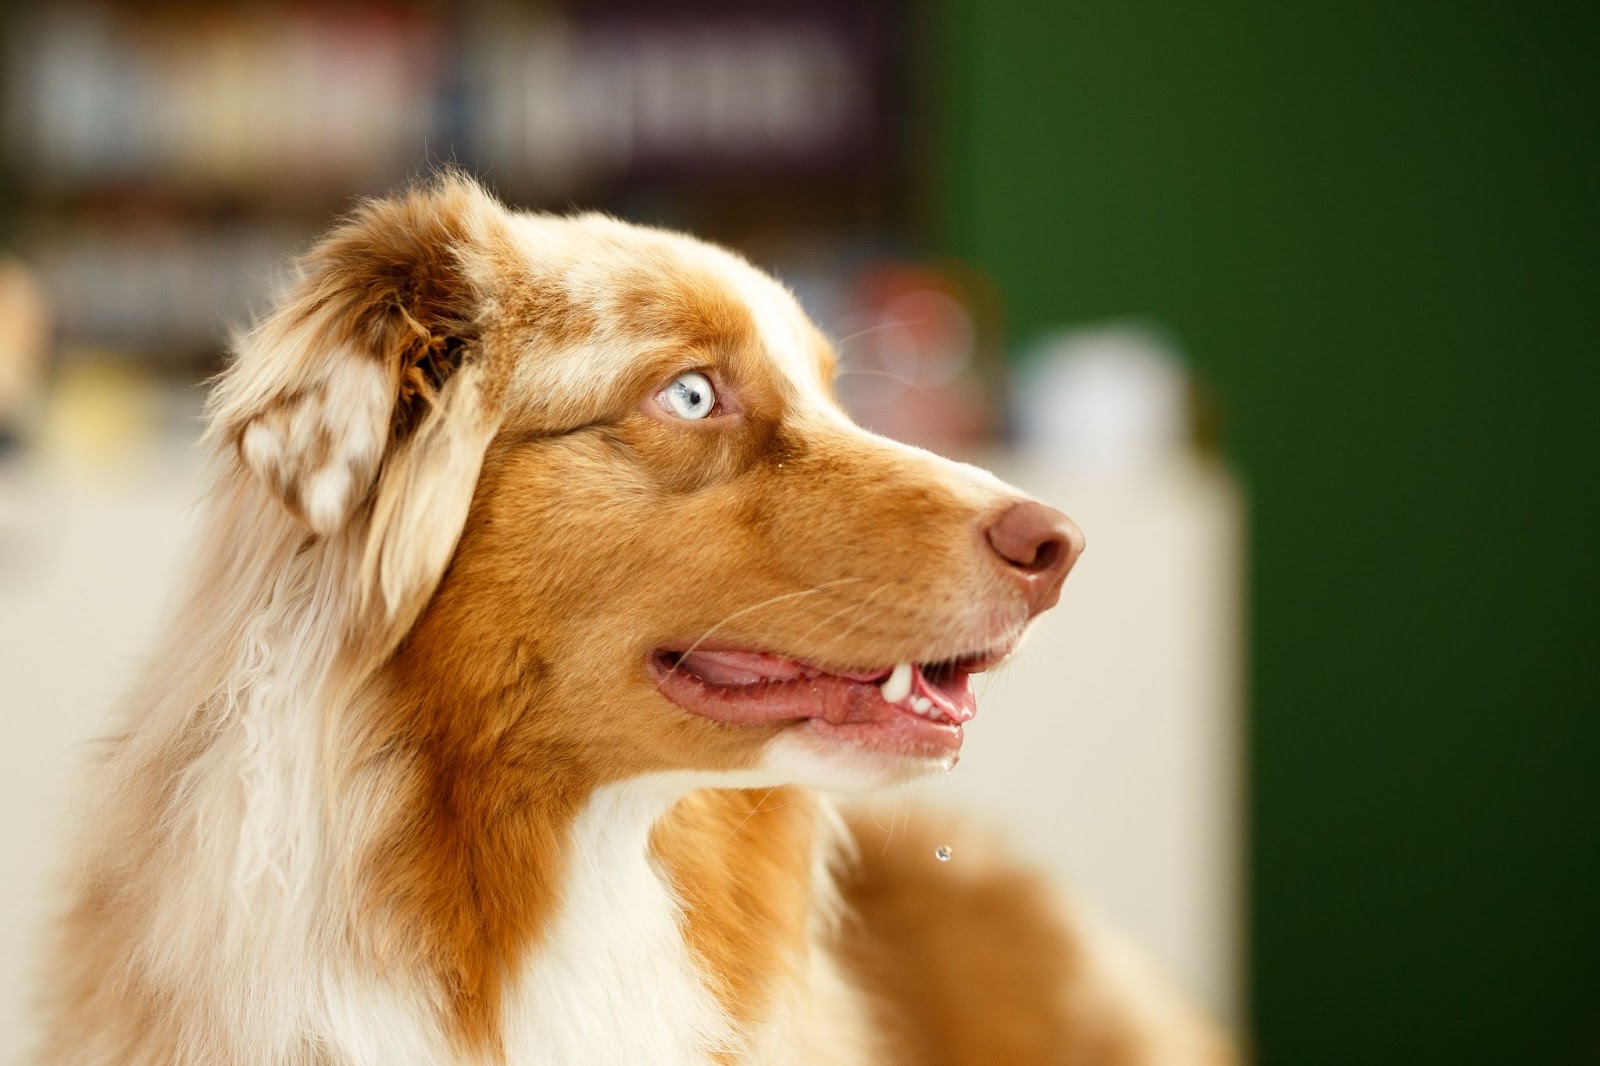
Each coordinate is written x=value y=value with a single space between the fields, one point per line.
x=691 y=396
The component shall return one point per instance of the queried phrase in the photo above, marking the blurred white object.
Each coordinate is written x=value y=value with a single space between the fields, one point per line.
x=1109 y=400
x=1111 y=746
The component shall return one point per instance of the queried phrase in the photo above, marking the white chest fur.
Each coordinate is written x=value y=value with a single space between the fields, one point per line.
x=613 y=981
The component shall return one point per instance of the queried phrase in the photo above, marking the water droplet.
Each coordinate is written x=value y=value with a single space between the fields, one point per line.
x=943 y=853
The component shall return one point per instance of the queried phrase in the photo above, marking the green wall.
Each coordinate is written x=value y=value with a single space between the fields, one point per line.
x=1374 y=225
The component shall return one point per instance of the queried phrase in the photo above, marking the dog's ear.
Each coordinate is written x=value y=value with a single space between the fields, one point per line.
x=361 y=352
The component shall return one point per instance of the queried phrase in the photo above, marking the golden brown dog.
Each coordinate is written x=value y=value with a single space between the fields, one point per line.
x=543 y=582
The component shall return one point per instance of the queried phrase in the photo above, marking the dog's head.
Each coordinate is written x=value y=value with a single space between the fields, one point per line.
x=597 y=474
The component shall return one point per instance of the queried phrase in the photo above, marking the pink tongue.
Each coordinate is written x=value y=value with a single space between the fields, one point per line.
x=753 y=667
x=736 y=669
x=740 y=667
x=958 y=705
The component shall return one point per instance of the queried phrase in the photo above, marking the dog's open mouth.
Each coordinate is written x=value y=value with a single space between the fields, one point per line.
x=911 y=708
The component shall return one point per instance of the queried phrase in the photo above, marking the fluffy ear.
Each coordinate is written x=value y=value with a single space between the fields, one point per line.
x=357 y=355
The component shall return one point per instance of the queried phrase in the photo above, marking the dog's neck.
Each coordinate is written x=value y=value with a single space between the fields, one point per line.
x=613 y=977
x=682 y=922
x=645 y=920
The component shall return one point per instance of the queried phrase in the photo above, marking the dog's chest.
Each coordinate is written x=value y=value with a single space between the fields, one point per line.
x=613 y=980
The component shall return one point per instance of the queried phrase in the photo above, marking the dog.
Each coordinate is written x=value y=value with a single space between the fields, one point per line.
x=543 y=597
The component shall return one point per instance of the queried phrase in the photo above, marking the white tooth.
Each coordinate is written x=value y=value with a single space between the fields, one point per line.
x=897 y=686
x=921 y=704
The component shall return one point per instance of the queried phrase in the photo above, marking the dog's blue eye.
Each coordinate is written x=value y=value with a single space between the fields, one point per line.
x=691 y=396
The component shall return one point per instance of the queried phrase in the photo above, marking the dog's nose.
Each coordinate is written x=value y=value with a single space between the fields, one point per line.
x=1038 y=545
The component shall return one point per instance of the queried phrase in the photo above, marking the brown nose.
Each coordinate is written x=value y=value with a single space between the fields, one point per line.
x=1038 y=545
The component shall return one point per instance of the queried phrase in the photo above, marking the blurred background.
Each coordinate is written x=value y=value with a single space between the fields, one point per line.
x=1293 y=308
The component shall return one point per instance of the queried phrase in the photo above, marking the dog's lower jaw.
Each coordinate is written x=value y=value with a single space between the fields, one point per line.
x=800 y=755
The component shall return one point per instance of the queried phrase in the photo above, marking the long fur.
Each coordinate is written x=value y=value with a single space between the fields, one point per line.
x=396 y=788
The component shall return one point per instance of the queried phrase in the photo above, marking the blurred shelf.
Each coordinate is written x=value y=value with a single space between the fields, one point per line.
x=167 y=156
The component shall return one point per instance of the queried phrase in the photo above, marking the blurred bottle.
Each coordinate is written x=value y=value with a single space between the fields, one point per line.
x=1109 y=401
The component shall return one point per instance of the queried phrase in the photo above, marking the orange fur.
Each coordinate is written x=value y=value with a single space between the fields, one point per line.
x=1006 y=971
x=741 y=859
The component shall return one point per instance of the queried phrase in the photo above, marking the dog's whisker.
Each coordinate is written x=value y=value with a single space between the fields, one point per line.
x=862 y=371
x=741 y=612
x=853 y=605
x=864 y=605
x=752 y=812
x=839 y=638
x=867 y=331
x=760 y=807
x=870 y=613
x=895 y=809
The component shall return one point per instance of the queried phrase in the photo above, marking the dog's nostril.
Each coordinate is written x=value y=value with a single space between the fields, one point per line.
x=1031 y=536
x=1039 y=545
x=1045 y=556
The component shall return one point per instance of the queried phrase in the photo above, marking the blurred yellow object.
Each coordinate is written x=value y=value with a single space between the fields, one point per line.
x=103 y=415
x=24 y=336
